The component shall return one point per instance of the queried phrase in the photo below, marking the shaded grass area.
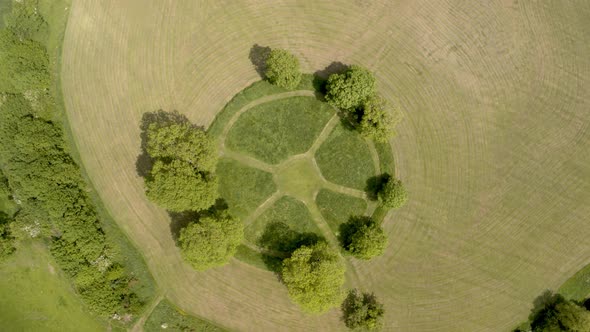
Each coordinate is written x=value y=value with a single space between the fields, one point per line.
x=244 y=188
x=255 y=91
x=344 y=158
x=36 y=296
x=578 y=286
x=337 y=208
x=252 y=257
x=166 y=317
x=285 y=214
x=273 y=131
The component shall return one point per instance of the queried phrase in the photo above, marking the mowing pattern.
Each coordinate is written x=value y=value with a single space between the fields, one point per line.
x=493 y=149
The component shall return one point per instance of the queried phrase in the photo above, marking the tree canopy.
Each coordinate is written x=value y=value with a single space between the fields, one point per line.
x=177 y=186
x=211 y=241
x=363 y=238
x=376 y=123
x=181 y=177
x=282 y=69
x=560 y=314
x=350 y=89
x=314 y=276
x=393 y=194
x=362 y=311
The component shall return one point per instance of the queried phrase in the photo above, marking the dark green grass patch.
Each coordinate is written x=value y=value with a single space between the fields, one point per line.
x=287 y=221
x=244 y=188
x=578 y=286
x=166 y=317
x=256 y=90
x=386 y=161
x=273 y=131
x=344 y=159
x=337 y=208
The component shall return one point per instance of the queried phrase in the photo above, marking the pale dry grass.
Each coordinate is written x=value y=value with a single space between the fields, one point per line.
x=493 y=147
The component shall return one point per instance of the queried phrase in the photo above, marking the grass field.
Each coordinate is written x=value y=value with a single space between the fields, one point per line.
x=165 y=317
x=338 y=208
x=36 y=296
x=244 y=188
x=344 y=158
x=274 y=131
x=492 y=149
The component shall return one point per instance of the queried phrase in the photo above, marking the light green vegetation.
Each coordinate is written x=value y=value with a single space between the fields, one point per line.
x=274 y=131
x=493 y=148
x=35 y=295
x=167 y=317
x=578 y=286
x=244 y=188
x=344 y=158
x=287 y=211
x=282 y=69
x=337 y=208
x=298 y=178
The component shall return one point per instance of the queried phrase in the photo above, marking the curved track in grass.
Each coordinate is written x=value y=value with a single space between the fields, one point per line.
x=493 y=148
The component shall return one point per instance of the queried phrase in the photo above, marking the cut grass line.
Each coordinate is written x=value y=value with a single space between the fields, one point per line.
x=249 y=161
x=262 y=207
x=323 y=135
x=344 y=190
x=138 y=327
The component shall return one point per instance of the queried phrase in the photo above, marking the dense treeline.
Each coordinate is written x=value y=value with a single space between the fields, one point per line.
x=44 y=180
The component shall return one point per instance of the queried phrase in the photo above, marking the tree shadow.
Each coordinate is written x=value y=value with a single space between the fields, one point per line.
x=278 y=242
x=375 y=184
x=179 y=220
x=144 y=162
x=321 y=76
x=258 y=55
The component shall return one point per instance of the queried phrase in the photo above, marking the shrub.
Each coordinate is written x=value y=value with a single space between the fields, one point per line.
x=376 y=123
x=314 y=276
x=282 y=69
x=177 y=186
x=393 y=194
x=363 y=238
x=211 y=241
x=362 y=311
x=23 y=64
x=350 y=89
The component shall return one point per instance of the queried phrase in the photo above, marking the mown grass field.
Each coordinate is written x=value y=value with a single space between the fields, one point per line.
x=493 y=146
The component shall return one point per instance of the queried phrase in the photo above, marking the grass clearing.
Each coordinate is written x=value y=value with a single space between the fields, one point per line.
x=244 y=188
x=298 y=178
x=288 y=211
x=337 y=208
x=167 y=317
x=274 y=131
x=36 y=296
x=344 y=159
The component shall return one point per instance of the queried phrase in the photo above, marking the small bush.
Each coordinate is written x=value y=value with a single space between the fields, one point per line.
x=362 y=311
x=282 y=69
x=393 y=195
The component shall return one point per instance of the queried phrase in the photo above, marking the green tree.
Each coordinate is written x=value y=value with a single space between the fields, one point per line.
x=211 y=241
x=282 y=69
x=314 y=276
x=177 y=186
x=23 y=64
x=350 y=89
x=393 y=194
x=362 y=311
x=363 y=238
x=182 y=141
x=560 y=314
x=25 y=20
x=376 y=123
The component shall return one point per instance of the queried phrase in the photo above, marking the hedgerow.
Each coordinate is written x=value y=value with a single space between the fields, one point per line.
x=45 y=181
